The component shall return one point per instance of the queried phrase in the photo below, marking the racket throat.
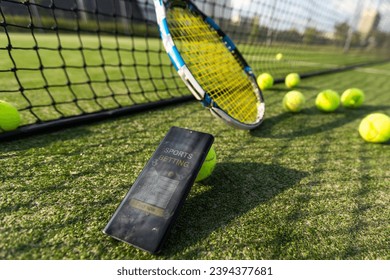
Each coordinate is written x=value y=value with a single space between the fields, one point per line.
x=208 y=102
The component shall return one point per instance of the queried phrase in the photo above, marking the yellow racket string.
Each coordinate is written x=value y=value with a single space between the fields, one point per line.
x=212 y=65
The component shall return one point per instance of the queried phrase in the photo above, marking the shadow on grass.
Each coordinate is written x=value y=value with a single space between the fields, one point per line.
x=44 y=139
x=233 y=190
x=325 y=122
x=282 y=88
x=118 y=128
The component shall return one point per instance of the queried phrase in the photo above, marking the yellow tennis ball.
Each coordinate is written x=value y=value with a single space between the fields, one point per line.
x=328 y=100
x=265 y=81
x=9 y=116
x=375 y=128
x=207 y=166
x=294 y=101
x=352 y=98
x=292 y=80
x=279 y=56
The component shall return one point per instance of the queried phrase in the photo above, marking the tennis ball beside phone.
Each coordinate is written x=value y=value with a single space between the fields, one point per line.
x=208 y=165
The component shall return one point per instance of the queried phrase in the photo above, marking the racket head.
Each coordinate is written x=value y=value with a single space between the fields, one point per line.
x=210 y=64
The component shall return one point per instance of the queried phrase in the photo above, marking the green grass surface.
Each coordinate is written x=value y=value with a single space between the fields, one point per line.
x=301 y=186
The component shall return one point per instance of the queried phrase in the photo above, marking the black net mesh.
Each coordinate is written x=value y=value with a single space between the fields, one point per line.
x=65 y=58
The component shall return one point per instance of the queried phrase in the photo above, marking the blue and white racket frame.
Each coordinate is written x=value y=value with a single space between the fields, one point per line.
x=186 y=75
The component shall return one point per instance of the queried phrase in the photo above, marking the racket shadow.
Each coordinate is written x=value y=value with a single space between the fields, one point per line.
x=233 y=190
x=281 y=88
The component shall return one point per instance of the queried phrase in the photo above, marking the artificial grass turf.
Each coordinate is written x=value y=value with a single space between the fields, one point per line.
x=301 y=186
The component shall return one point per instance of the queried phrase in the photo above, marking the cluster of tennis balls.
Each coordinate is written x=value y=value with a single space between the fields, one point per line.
x=373 y=128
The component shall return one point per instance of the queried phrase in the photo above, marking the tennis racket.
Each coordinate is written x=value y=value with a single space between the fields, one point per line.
x=210 y=64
